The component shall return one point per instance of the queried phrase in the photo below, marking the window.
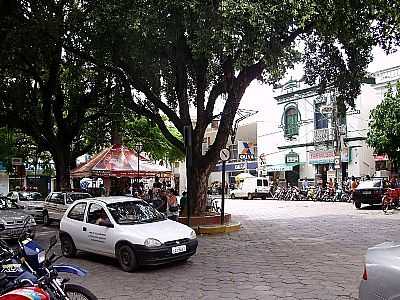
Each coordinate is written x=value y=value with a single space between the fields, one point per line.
x=320 y=119
x=77 y=212
x=57 y=198
x=291 y=122
x=259 y=182
x=95 y=213
x=265 y=182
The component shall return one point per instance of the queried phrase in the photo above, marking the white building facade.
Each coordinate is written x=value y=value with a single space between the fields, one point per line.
x=308 y=138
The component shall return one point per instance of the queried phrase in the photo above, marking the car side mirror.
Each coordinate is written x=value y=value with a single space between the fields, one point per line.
x=106 y=224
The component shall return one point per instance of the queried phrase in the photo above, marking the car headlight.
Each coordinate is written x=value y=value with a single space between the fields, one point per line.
x=41 y=257
x=192 y=235
x=152 y=243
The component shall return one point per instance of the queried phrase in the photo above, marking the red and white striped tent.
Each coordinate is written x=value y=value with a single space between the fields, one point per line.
x=119 y=161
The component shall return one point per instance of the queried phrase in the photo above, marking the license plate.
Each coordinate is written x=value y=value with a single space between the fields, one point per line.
x=178 y=249
x=367 y=193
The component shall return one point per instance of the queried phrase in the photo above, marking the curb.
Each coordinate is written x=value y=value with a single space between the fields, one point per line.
x=219 y=229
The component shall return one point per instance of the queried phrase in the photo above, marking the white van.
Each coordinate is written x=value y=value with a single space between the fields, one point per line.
x=252 y=187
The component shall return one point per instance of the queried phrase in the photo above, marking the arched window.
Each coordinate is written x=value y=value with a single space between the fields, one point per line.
x=291 y=122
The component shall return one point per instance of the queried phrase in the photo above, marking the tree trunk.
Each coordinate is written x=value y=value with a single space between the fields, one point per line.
x=62 y=160
x=197 y=186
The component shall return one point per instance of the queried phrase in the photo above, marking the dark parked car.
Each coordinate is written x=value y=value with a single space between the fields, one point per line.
x=369 y=192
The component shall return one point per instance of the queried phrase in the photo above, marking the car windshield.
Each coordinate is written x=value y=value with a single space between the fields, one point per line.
x=77 y=196
x=7 y=203
x=369 y=184
x=30 y=196
x=134 y=212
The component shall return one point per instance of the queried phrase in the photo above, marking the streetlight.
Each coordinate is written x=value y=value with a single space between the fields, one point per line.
x=138 y=149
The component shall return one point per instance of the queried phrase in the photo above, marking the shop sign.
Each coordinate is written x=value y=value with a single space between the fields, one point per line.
x=278 y=168
x=292 y=157
x=381 y=157
x=235 y=167
x=331 y=174
x=344 y=155
x=246 y=150
x=321 y=157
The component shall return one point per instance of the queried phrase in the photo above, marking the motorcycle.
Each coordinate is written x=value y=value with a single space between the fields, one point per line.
x=30 y=265
x=27 y=293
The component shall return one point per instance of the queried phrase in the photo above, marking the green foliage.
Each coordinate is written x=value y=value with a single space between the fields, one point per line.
x=384 y=125
x=154 y=143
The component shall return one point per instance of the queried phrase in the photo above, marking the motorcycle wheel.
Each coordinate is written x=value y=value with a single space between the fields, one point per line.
x=77 y=292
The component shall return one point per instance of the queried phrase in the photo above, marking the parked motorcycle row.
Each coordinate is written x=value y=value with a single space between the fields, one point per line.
x=293 y=193
x=29 y=272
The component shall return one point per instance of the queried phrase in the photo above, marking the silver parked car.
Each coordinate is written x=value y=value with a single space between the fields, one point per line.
x=32 y=202
x=381 y=273
x=14 y=220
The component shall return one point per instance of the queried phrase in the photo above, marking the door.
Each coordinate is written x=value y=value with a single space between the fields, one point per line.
x=74 y=223
x=54 y=205
x=99 y=239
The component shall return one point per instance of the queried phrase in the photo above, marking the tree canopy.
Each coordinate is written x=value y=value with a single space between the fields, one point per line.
x=384 y=125
x=176 y=58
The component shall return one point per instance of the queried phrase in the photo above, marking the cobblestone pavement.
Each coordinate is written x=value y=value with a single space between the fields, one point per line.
x=285 y=250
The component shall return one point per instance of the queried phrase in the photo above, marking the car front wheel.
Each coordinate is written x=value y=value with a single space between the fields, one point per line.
x=67 y=246
x=126 y=258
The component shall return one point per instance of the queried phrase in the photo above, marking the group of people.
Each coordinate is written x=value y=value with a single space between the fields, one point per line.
x=163 y=199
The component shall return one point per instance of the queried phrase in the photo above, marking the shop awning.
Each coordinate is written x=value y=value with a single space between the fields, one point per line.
x=280 y=167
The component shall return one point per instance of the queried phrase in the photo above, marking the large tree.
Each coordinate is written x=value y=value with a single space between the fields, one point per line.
x=176 y=58
x=45 y=92
x=384 y=126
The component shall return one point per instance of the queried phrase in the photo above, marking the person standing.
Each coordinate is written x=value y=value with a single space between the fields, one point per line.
x=305 y=184
x=172 y=206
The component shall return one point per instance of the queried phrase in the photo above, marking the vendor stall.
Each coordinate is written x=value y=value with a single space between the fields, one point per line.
x=117 y=166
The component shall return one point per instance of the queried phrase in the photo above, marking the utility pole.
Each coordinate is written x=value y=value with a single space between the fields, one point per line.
x=336 y=138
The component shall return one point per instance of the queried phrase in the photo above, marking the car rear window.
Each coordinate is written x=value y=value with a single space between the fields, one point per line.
x=369 y=184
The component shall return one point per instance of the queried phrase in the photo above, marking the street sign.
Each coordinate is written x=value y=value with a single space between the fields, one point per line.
x=16 y=161
x=224 y=154
x=337 y=162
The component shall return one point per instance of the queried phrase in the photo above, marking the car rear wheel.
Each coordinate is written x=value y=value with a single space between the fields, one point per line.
x=67 y=246
x=357 y=204
x=126 y=258
x=232 y=196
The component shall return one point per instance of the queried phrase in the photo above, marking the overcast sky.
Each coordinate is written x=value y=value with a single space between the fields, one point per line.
x=259 y=96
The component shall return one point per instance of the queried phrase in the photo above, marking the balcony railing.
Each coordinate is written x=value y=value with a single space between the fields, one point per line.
x=323 y=135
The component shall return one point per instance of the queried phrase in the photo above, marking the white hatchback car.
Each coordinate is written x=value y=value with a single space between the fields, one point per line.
x=126 y=228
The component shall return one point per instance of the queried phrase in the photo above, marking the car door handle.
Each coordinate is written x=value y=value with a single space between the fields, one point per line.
x=83 y=228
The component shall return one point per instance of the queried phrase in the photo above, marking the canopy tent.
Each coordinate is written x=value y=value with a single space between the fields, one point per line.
x=242 y=176
x=119 y=161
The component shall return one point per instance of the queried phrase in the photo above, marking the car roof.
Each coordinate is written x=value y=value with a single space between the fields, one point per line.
x=115 y=199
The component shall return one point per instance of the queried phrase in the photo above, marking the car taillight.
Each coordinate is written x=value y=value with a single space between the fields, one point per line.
x=365 y=275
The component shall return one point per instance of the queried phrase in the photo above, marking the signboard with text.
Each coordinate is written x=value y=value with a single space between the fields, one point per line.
x=319 y=157
x=292 y=157
x=246 y=150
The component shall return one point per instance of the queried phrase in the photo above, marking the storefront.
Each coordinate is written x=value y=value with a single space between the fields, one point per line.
x=234 y=169
x=323 y=161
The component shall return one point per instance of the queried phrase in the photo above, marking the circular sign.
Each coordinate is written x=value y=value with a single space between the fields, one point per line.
x=224 y=154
